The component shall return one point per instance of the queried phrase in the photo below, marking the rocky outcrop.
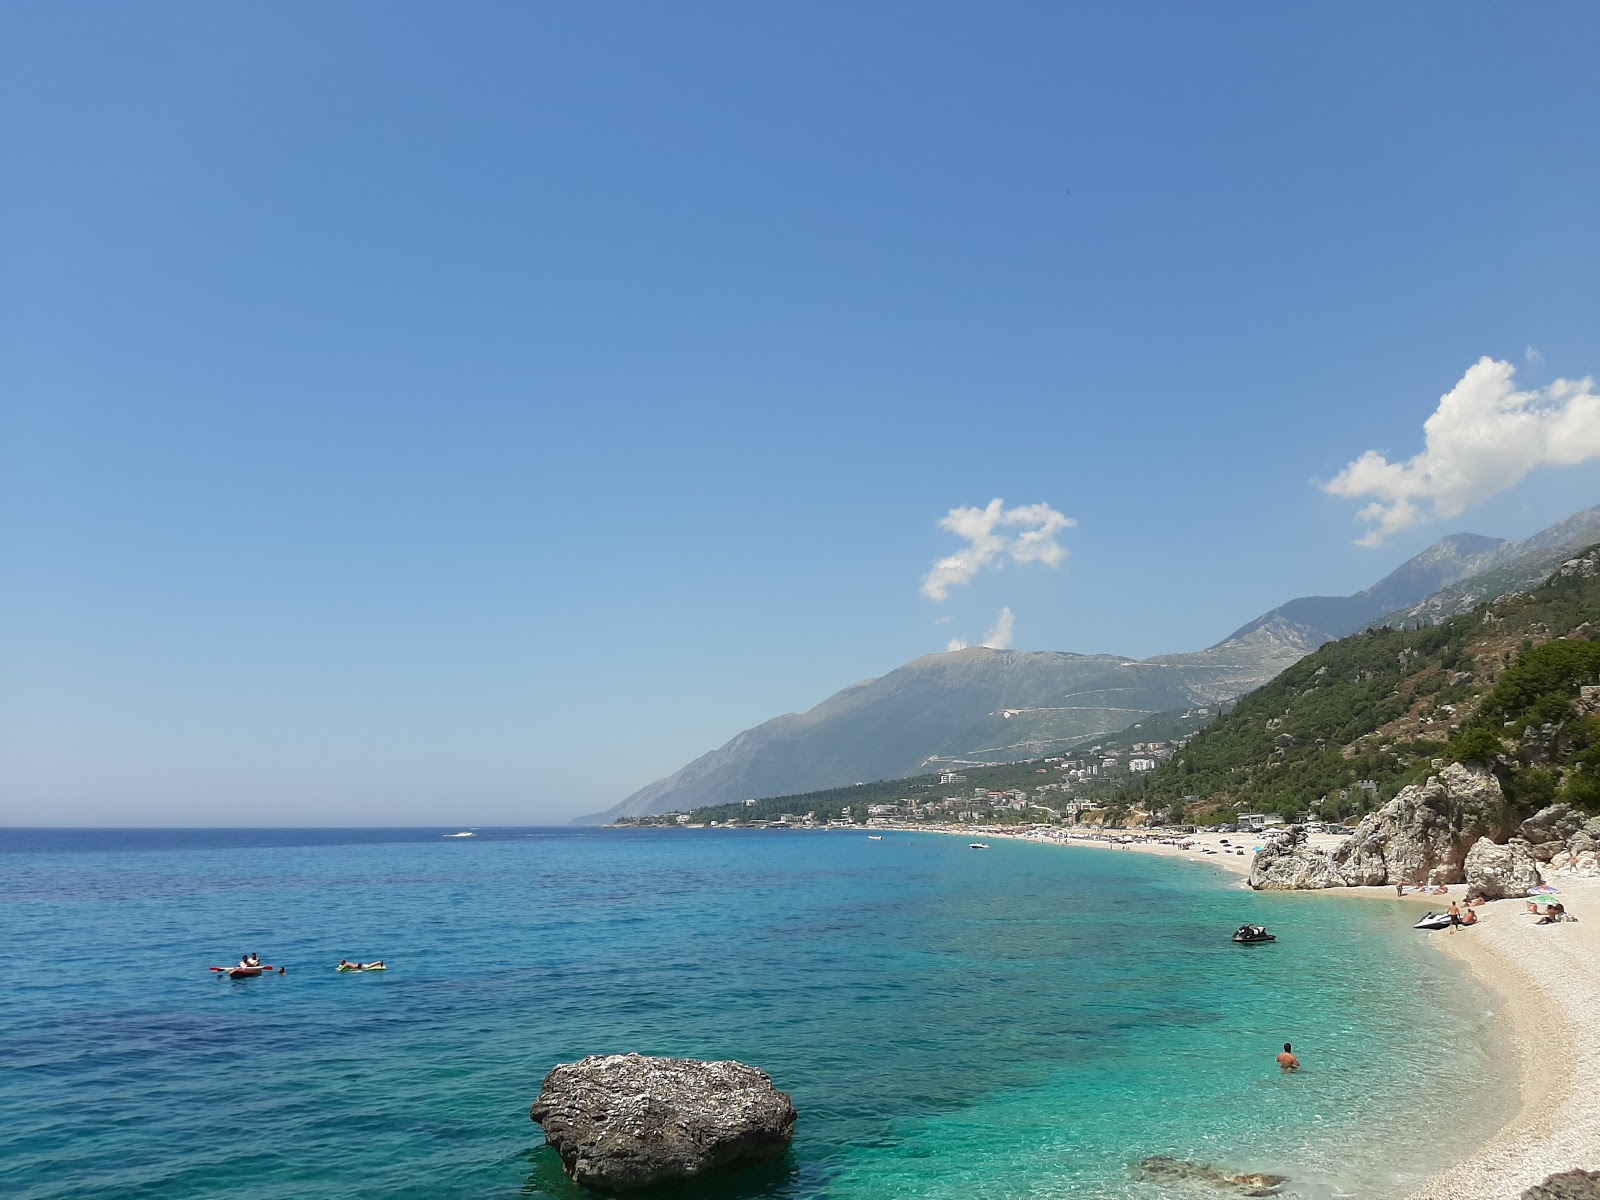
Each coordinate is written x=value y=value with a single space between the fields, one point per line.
x=623 y=1121
x=1565 y=838
x=1168 y=1171
x=1496 y=872
x=1424 y=833
x=1421 y=836
x=1287 y=863
x=1554 y=824
x=1568 y=1185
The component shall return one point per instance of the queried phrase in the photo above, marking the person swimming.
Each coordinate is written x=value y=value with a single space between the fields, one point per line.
x=1287 y=1060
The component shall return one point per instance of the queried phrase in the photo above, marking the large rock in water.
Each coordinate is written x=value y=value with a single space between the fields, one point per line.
x=623 y=1121
x=1286 y=862
x=1496 y=872
x=1424 y=833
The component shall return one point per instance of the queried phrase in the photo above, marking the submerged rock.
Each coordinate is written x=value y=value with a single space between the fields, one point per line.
x=623 y=1121
x=1164 y=1169
x=1568 y=1185
x=1496 y=872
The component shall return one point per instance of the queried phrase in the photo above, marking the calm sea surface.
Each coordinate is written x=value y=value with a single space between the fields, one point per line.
x=952 y=1024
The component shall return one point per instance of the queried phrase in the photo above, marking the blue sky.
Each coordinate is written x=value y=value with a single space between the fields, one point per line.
x=467 y=414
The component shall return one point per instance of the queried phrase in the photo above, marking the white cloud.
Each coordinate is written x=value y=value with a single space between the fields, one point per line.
x=986 y=546
x=1532 y=354
x=1484 y=438
x=998 y=637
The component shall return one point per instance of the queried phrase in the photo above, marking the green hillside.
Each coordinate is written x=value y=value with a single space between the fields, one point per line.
x=1500 y=684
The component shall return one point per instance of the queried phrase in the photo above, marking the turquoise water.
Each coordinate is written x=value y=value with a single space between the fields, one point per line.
x=951 y=1024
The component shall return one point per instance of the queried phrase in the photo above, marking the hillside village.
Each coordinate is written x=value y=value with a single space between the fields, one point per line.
x=1062 y=789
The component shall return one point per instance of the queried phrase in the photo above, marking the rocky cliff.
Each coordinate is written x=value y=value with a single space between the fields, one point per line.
x=1421 y=836
x=1449 y=829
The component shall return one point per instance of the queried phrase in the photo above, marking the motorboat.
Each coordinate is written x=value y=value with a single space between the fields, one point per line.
x=874 y=837
x=1436 y=921
x=467 y=834
x=1248 y=935
x=977 y=845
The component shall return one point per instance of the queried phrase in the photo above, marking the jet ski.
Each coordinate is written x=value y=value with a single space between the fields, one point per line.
x=1435 y=921
x=1248 y=934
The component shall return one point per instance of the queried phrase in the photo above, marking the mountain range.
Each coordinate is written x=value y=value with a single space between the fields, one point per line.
x=980 y=705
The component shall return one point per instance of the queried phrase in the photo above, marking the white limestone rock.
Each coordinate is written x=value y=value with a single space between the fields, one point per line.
x=1496 y=872
x=624 y=1121
x=1287 y=863
x=1424 y=833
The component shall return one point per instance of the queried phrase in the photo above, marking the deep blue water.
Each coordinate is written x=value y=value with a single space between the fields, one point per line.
x=1021 y=1022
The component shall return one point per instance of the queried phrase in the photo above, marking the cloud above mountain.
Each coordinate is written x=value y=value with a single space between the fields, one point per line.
x=1484 y=438
x=995 y=534
x=998 y=637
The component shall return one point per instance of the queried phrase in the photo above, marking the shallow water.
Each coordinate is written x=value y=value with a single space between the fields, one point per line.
x=1018 y=1023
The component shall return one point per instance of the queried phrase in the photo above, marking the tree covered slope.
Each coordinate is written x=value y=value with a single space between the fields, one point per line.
x=1501 y=684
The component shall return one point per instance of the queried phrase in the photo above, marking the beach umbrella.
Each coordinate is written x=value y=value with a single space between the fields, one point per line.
x=1544 y=889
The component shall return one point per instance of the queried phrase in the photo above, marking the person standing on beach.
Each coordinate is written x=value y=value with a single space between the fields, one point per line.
x=1287 y=1060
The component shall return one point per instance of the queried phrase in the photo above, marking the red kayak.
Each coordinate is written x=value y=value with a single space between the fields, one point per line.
x=243 y=972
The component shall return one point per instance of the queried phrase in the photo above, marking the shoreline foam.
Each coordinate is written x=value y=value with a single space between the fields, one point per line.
x=1548 y=980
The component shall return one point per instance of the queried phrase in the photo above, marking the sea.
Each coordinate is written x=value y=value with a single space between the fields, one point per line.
x=1026 y=1021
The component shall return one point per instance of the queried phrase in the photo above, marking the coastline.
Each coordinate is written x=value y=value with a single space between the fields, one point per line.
x=1547 y=979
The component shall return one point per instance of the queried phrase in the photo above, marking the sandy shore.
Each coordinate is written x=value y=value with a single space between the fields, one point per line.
x=1548 y=981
